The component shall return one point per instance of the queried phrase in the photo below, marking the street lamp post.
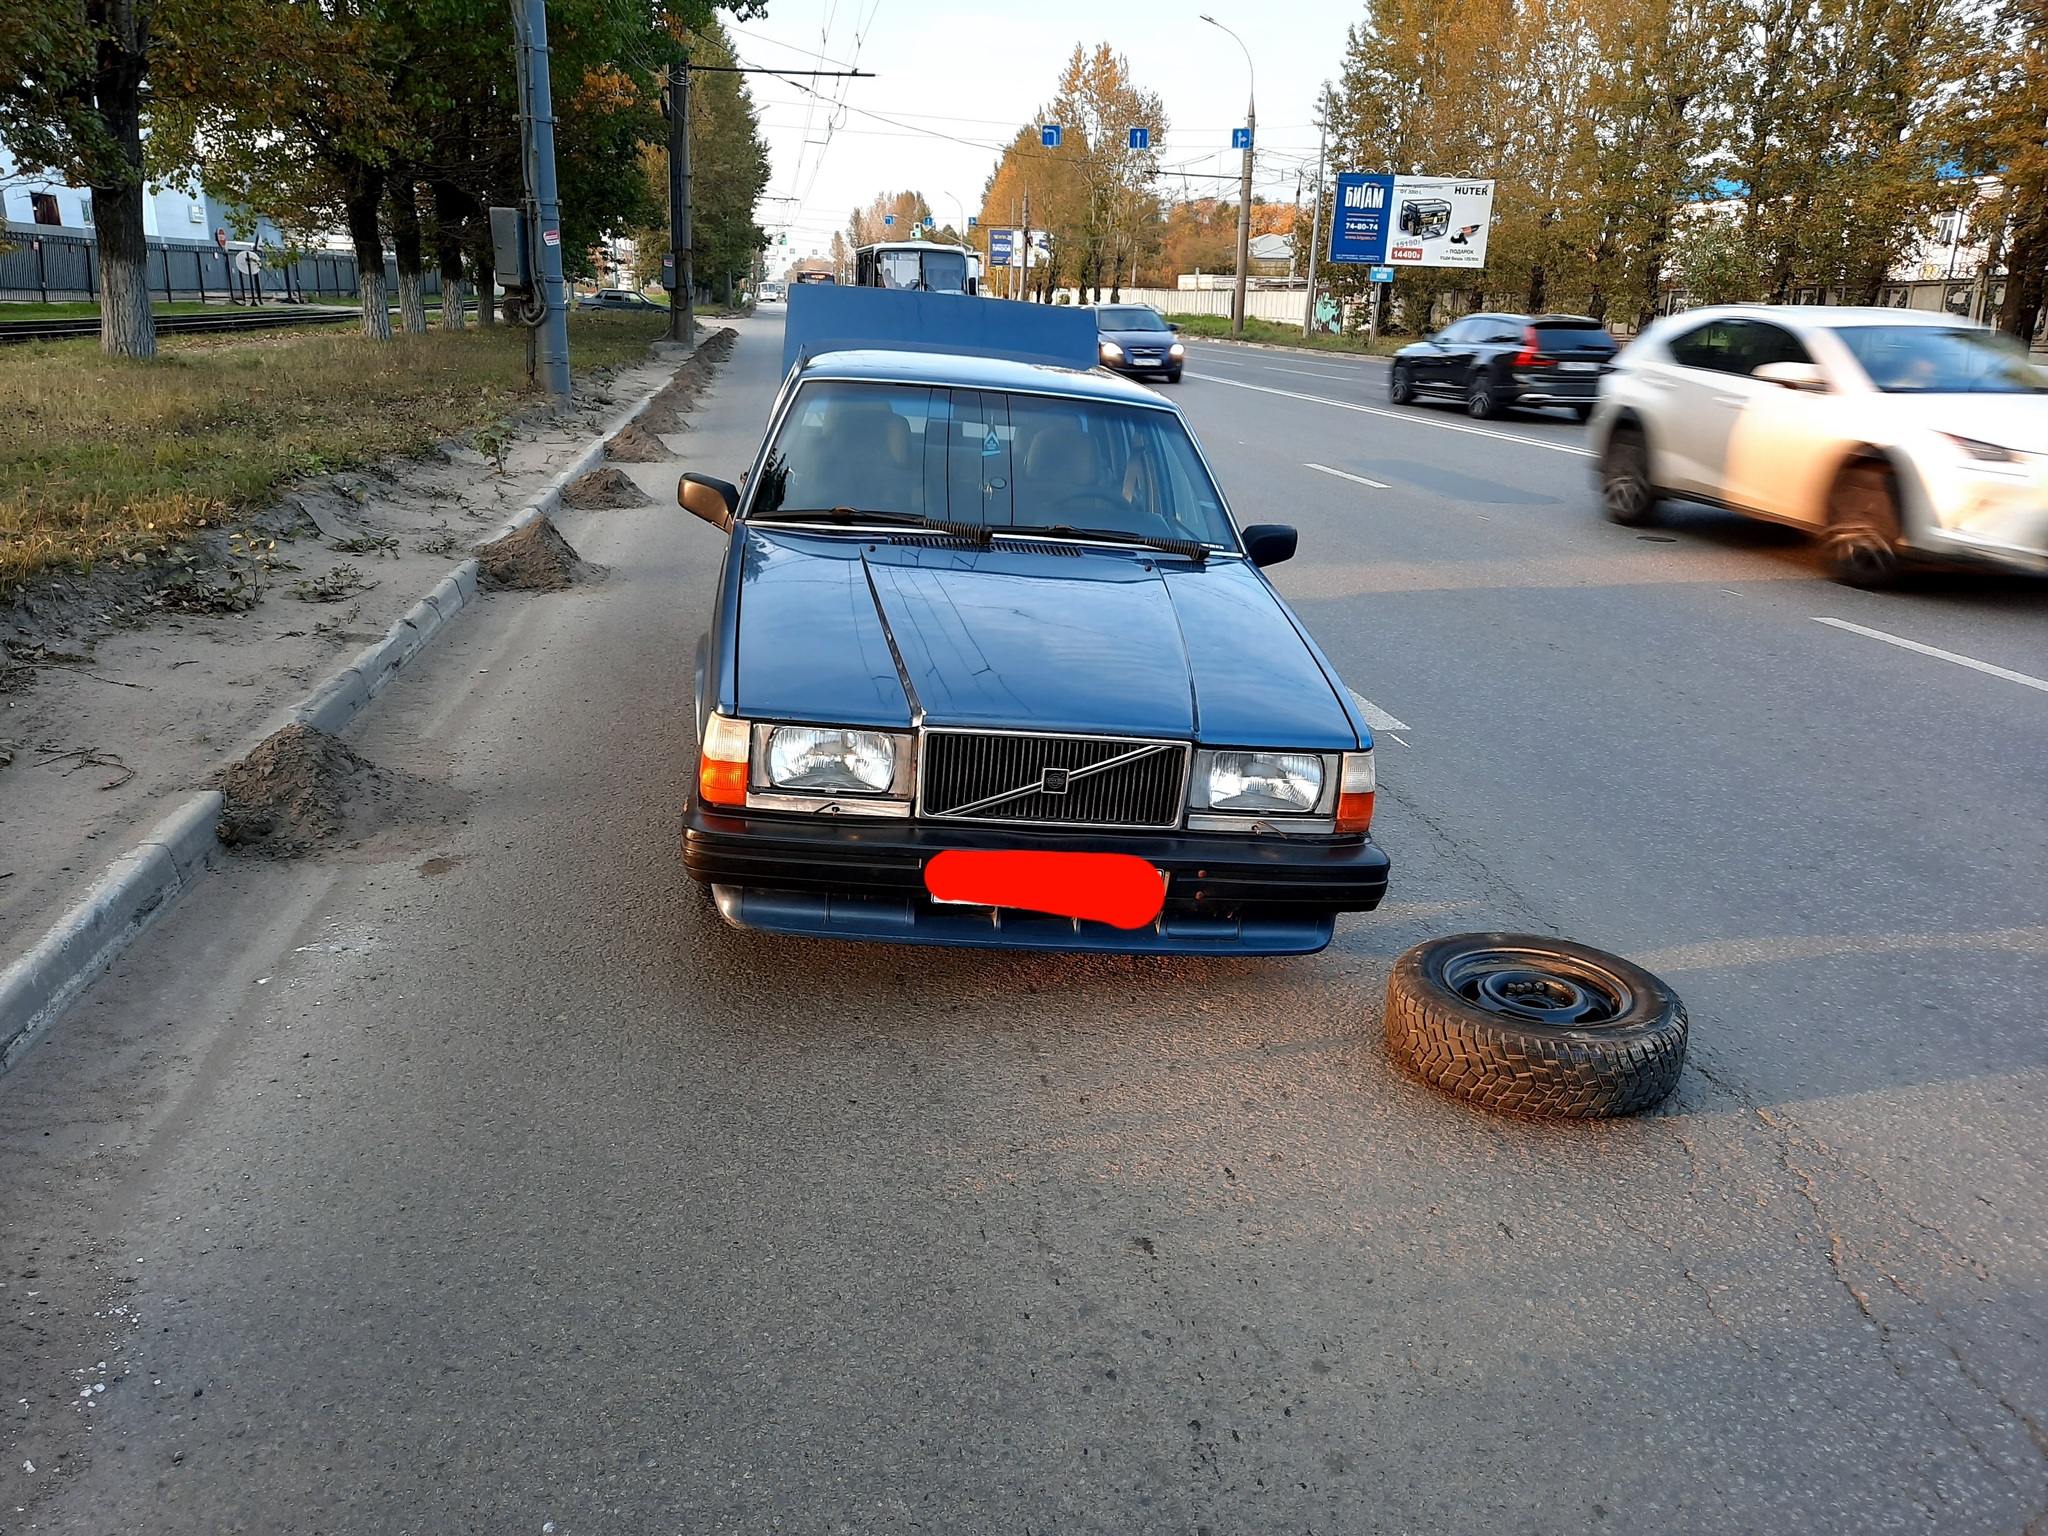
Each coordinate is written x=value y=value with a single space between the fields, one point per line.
x=1244 y=196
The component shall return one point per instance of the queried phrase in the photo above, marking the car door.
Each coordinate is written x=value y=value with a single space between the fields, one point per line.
x=1696 y=409
x=1784 y=443
x=1443 y=367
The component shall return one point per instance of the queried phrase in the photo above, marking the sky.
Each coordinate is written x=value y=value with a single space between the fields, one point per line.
x=959 y=77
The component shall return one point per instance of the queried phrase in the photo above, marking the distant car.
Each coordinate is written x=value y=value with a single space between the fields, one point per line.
x=1895 y=436
x=769 y=293
x=1136 y=340
x=1493 y=363
x=617 y=298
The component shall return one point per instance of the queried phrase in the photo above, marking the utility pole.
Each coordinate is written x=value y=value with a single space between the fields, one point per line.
x=1027 y=247
x=1315 y=236
x=537 y=125
x=682 y=305
x=1244 y=196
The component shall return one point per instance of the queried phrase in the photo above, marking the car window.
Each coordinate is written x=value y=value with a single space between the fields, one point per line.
x=1713 y=346
x=1459 y=330
x=1130 y=319
x=1502 y=330
x=990 y=458
x=1576 y=338
x=1767 y=343
x=945 y=271
x=1934 y=360
x=900 y=269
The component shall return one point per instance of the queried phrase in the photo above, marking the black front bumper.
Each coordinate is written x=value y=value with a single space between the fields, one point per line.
x=1224 y=893
x=1144 y=370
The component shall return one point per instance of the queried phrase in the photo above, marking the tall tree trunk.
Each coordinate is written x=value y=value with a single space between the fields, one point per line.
x=411 y=261
x=365 y=184
x=449 y=217
x=127 y=326
x=1539 y=288
x=2024 y=271
x=482 y=256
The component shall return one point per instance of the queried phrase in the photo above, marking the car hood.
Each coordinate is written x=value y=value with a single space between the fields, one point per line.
x=1038 y=638
x=2011 y=421
x=1144 y=341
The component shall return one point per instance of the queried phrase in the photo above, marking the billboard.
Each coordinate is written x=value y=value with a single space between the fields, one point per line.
x=1410 y=221
x=1002 y=243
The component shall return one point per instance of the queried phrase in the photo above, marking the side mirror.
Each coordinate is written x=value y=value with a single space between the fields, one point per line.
x=1431 y=336
x=708 y=498
x=1269 y=543
x=1173 y=325
x=1806 y=376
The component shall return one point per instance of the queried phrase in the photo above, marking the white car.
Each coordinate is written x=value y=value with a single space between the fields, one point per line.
x=1893 y=435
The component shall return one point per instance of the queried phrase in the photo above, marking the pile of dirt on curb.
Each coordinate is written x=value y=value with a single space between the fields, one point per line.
x=603 y=490
x=665 y=412
x=535 y=558
x=635 y=444
x=300 y=790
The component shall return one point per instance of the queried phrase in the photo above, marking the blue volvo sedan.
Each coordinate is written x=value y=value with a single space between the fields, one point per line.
x=993 y=665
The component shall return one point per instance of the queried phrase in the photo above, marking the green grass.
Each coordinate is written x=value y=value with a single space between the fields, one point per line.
x=86 y=310
x=1256 y=329
x=108 y=458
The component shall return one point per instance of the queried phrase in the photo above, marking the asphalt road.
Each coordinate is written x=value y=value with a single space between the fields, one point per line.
x=480 y=1180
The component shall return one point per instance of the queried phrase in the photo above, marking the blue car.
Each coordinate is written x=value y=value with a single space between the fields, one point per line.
x=992 y=665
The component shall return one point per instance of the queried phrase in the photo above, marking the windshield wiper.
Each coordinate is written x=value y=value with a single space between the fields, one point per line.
x=847 y=516
x=1190 y=549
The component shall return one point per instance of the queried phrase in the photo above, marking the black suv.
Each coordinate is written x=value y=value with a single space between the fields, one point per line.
x=1494 y=362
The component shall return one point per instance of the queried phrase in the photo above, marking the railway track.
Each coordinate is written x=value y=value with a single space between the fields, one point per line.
x=259 y=320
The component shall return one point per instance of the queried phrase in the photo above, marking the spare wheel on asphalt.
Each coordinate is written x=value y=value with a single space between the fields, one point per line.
x=1535 y=1026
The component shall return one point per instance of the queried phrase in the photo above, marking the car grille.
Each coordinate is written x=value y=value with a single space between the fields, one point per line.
x=1055 y=780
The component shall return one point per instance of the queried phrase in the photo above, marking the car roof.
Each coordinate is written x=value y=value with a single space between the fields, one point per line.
x=966 y=372
x=1827 y=315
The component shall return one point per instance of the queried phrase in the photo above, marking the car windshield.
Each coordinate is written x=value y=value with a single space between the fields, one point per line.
x=945 y=271
x=990 y=459
x=1934 y=360
x=1128 y=320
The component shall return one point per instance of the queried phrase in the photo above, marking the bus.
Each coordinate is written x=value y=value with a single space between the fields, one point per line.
x=917 y=265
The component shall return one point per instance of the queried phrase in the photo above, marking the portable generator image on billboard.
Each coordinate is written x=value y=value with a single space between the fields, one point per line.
x=1425 y=218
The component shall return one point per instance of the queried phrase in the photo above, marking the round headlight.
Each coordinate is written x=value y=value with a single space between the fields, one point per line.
x=830 y=761
x=1112 y=353
x=1265 y=781
x=1176 y=350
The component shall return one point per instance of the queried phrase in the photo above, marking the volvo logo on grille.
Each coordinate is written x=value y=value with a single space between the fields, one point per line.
x=1053 y=782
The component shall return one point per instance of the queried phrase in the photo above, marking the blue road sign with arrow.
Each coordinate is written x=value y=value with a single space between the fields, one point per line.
x=1049 y=134
x=1240 y=138
x=1141 y=138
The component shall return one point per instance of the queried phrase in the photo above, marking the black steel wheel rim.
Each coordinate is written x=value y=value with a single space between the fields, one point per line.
x=1532 y=987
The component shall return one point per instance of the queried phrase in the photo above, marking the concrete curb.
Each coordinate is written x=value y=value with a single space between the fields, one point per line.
x=136 y=889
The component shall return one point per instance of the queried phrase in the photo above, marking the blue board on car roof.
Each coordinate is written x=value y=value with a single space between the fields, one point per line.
x=842 y=319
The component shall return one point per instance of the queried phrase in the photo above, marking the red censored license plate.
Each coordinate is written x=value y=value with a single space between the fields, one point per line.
x=1119 y=889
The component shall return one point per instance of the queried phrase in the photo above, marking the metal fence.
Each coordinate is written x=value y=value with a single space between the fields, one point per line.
x=58 y=268
x=1282 y=306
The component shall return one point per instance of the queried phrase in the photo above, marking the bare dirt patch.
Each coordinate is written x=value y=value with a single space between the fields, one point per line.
x=604 y=490
x=535 y=558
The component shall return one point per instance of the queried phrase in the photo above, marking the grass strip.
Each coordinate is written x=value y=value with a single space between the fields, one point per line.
x=1256 y=329
x=115 y=459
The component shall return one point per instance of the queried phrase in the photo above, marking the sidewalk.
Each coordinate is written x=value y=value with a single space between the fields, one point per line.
x=125 y=715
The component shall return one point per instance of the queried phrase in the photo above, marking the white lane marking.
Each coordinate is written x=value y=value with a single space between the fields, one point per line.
x=1315 y=373
x=1376 y=717
x=1378 y=485
x=1411 y=417
x=1228 y=362
x=1940 y=655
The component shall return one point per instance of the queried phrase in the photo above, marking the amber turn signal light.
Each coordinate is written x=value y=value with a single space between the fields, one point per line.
x=722 y=769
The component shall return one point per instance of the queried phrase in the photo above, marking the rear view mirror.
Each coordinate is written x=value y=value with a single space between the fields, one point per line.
x=1269 y=543
x=1173 y=325
x=1805 y=376
x=708 y=498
